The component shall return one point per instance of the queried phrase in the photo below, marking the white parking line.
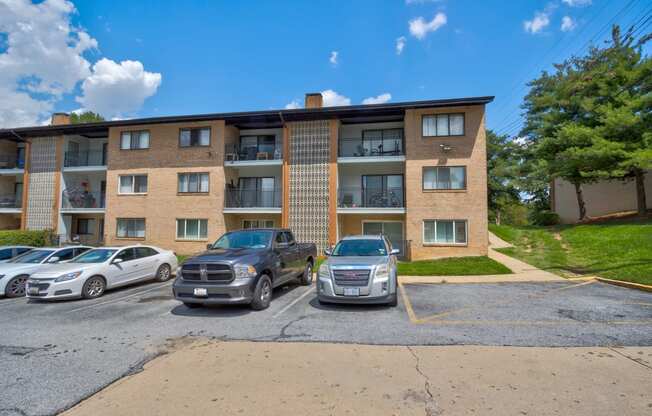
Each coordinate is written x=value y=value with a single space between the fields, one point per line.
x=294 y=302
x=120 y=299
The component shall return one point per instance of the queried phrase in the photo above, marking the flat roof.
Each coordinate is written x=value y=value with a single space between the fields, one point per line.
x=250 y=119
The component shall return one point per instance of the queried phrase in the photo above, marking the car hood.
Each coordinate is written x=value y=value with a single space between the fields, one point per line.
x=54 y=270
x=370 y=261
x=14 y=268
x=225 y=255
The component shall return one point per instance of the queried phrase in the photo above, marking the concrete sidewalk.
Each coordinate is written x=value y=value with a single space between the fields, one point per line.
x=256 y=378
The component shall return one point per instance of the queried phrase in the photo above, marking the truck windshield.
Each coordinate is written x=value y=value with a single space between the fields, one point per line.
x=244 y=239
x=360 y=247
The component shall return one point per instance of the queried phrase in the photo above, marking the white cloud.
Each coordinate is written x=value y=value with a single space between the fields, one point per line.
x=333 y=99
x=568 y=24
x=419 y=28
x=43 y=57
x=400 y=45
x=115 y=89
x=293 y=104
x=577 y=3
x=380 y=99
x=540 y=21
x=333 y=58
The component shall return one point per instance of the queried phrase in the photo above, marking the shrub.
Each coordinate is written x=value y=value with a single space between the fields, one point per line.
x=544 y=217
x=35 y=238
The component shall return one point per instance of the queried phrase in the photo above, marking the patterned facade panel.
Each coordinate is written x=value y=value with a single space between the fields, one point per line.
x=308 y=183
x=42 y=180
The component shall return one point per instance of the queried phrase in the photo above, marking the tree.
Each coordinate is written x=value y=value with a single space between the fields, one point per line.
x=85 y=117
x=502 y=173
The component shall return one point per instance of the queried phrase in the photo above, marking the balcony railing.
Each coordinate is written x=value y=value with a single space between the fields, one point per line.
x=11 y=162
x=246 y=198
x=365 y=147
x=83 y=200
x=234 y=153
x=90 y=158
x=371 y=197
x=11 y=201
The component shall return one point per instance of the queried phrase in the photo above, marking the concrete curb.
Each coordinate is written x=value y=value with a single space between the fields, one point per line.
x=493 y=278
x=629 y=285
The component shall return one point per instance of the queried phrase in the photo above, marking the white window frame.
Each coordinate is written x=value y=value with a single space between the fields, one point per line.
x=133 y=184
x=185 y=225
x=130 y=236
x=131 y=137
x=423 y=178
x=199 y=191
x=448 y=115
x=258 y=221
x=453 y=243
x=189 y=130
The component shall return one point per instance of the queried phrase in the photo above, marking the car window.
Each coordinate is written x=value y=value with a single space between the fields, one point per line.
x=360 y=247
x=280 y=238
x=144 y=252
x=65 y=254
x=21 y=250
x=32 y=257
x=80 y=250
x=6 y=253
x=289 y=237
x=126 y=254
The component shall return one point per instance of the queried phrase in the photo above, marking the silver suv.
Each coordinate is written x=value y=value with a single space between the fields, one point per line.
x=360 y=269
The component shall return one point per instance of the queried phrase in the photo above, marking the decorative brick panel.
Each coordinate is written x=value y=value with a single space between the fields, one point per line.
x=42 y=179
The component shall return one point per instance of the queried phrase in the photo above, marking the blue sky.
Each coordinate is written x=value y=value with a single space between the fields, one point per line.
x=215 y=56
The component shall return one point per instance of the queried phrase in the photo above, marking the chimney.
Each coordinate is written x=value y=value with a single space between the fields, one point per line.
x=59 y=119
x=314 y=100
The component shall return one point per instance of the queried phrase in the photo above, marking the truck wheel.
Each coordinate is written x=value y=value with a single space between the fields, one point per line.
x=192 y=305
x=262 y=293
x=306 y=277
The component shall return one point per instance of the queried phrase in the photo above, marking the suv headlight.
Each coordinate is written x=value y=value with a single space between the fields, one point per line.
x=243 y=271
x=324 y=271
x=382 y=272
x=68 y=276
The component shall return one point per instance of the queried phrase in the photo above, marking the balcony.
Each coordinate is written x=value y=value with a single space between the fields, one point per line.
x=11 y=164
x=252 y=201
x=373 y=146
x=11 y=203
x=390 y=200
x=74 y=201
x=240 y=155
x=83 y=161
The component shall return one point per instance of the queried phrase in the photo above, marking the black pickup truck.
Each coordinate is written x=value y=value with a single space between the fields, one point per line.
x=243 y=267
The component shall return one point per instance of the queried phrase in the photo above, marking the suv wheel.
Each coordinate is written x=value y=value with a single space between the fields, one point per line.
x=306 y=277
x=262 y=293
x=393 y=301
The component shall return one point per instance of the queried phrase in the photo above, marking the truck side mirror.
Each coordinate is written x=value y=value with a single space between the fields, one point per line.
x=328 y=252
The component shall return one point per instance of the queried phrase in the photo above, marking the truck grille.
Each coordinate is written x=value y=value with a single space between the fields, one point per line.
x=207 y=272
x=351 y=277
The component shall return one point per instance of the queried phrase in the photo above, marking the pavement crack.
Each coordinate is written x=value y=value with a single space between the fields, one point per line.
x=284 y=335
x=630 y=358
x=430 y=407
x=13 y=410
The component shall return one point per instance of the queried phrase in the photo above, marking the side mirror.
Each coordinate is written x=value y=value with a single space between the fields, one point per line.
x=53 y=259
x=395 y=251
x=116 y=261
x=209 y=246
x=328 y=252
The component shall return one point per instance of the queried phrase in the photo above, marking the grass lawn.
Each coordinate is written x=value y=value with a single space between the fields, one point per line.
x=454 y=266
x=617 y=249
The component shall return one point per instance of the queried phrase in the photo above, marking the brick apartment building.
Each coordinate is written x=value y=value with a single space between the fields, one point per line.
x=415 y=171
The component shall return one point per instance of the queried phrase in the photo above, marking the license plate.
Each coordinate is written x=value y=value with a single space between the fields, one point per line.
x=32 y=290
x=351 y=291
x=200 y=291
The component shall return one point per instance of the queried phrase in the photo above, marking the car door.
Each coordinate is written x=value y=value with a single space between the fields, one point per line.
x=124 y=271
x=148 y=262
x=293 y=252
x=285 y=257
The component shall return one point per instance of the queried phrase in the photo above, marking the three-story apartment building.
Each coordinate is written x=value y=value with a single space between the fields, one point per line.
x=415 y=171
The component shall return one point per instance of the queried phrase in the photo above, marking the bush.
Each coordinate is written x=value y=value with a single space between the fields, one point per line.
x=544 y=217
x=33 y=238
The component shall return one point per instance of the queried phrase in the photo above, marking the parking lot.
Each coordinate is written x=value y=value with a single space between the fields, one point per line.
x=55 y=354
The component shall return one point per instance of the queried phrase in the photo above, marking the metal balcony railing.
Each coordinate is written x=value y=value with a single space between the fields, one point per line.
x=11 y=201
x=233 y=152
x=358 y=197
x=371 y=147
x=73 y=199
x=89 y=158
x=11 y=162
x=246 y=198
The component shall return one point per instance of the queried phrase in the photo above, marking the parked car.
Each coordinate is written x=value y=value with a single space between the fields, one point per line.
x=9 y=252
x=92 y=273
x=15 y=272
x=360 y=269
x=243 y=267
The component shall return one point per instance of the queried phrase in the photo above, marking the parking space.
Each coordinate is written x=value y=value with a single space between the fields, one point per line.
x=80 y=346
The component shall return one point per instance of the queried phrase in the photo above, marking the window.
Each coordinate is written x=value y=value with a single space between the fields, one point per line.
x=443 y=125
x=145 y=252
x=188 y=229
x=131 y=227
x=444 y=177
x=85 y=226
x=126 y=254
x=6 y=254
x=193 y=182
x=246 y=224
x=65 y=254
x=133 y=184
x=444 y=232
x=80 y=250
x=251 y=146
x=134 y=140
x=195 y=137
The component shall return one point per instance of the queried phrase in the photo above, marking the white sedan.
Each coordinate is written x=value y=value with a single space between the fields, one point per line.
x=16 y=271
x=91 y=274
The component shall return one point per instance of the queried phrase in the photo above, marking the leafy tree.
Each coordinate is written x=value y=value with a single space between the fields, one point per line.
x=502 y=174
x=85 y=117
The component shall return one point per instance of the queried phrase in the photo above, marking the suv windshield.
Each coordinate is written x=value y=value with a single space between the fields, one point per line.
x=361 y=247
x=244 y=239
x=98 y=255
x=33 y=256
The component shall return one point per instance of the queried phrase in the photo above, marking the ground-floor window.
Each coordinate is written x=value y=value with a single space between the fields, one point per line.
x=393 y=230
x=246 y=224
x=192 y=229
x=85 y=226
x=444 y=231
x=131 y=227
